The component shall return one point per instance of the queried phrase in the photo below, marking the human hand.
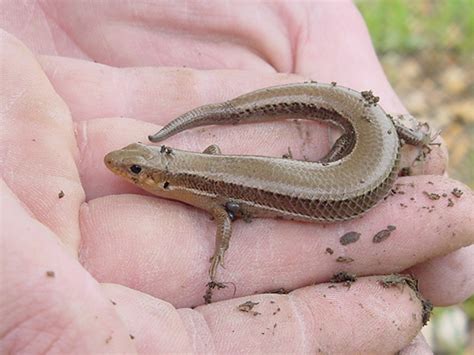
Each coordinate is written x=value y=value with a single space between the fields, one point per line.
x=158 y=250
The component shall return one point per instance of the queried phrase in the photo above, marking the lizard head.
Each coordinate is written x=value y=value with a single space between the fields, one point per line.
x=144 y=166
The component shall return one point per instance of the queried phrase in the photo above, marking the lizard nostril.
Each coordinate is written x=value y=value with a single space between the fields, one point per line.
x=108 y=161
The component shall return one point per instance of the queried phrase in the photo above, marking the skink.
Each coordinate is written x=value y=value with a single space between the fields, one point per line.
x=354 y=176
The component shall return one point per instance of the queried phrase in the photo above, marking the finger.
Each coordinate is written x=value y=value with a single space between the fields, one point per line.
x=449 y=279
x=370 y=319
x=206 y=36
x=154 y=326
x=37 y=143
x=151 y=94
x=173 y=242
x=307 y=316
x=418 y=346
x=260 y=37
x=49 y=302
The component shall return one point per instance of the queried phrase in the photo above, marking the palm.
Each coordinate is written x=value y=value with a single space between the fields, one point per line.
x=151 y=251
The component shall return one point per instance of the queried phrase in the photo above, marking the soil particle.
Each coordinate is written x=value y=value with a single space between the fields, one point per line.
x=457 y=192
x=349 y=237
x=279 y=291
x=383 y=234
x=432 y=195
x=343 y=277
x=398 y=280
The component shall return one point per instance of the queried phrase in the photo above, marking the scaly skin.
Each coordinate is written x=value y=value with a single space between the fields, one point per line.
x=358 y=172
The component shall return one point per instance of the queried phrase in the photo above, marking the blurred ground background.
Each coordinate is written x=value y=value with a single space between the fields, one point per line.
x=427 y=50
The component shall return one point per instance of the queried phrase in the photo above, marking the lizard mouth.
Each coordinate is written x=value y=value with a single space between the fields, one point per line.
x=116 y=166
x=110 y=162
x=113 y=165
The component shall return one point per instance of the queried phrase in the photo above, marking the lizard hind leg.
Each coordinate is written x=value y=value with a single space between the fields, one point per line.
x=223 y=234
x=420 y=135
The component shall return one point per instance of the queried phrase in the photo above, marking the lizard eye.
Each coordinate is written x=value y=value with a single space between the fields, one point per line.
x=135 y=169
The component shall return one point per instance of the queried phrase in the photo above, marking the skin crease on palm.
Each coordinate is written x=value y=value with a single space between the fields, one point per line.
x=79 y=79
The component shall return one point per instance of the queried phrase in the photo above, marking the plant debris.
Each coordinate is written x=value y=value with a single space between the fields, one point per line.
x=247 y=307
x=211 y=286
x=344 y=259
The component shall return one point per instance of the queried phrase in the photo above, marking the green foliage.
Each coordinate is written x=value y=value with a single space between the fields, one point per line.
x=413 y=25
x=468 y=306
